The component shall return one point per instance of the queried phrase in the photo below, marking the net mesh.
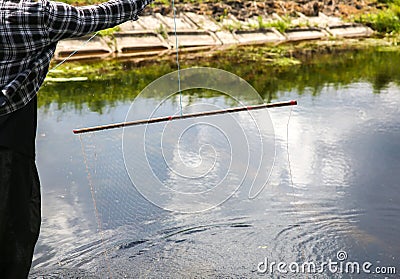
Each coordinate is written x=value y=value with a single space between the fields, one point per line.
x=141 y=176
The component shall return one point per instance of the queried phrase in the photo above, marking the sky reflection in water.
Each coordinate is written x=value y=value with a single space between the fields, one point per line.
x=344 y=151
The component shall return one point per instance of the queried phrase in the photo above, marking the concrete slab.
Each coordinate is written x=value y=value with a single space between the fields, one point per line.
x=309 y=21
x=239 y=24
x=256 y=22
x=202 y=22
x=181 y=22
x=275 y=16
x=330 y=20
x=193 y=38
x=231 y=23
x=350 y=31
x=141 y=43
x=258 y=36
x=153 y=35
x=151 y=23
x=95 y=48
x=227 y=38
x=130 y=26
x=321 y=21
x=294 y=20
x=302 y=34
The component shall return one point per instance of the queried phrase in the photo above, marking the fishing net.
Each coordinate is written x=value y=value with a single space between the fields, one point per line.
x=199 y=162
x=138 y=173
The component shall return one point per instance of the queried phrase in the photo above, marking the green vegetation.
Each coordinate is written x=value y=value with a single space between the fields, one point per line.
x=385 y=21
x=162 y=31
x=109 y=32
x=280 y=25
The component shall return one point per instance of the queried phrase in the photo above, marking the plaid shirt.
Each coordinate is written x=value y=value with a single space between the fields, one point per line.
x=30 y=30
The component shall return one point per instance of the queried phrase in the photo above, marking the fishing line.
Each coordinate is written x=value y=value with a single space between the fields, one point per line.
x=177 y=58
x=85 y=159
x=74 y=52
x=287 y=149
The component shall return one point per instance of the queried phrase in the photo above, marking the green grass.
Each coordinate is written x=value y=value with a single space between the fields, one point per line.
x=386 y=21
x=280 y=25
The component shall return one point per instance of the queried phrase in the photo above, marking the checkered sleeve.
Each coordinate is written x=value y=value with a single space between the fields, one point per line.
x=66 y=21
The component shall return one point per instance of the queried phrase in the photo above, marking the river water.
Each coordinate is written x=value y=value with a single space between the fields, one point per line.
x=330 y=203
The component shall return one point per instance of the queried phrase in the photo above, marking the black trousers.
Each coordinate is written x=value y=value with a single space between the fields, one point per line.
x=19 y=213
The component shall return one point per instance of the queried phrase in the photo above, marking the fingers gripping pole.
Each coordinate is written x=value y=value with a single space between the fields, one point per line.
x=184 y=116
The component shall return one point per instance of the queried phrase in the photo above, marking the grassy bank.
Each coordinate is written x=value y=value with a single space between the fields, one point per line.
x=384 y=21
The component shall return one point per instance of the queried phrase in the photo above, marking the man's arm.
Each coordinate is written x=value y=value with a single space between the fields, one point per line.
x=66 y=21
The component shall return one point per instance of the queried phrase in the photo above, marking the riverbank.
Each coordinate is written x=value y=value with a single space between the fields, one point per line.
x=273 y=58
x=157 y=35
x=280 y=34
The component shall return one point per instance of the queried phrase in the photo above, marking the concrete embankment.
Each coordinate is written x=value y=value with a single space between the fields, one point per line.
x=154 y=35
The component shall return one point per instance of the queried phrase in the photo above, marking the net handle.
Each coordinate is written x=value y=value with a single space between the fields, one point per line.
x=184 y=116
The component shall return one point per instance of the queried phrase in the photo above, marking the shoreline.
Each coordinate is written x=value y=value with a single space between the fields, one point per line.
x=272 y=56
x=156 y=35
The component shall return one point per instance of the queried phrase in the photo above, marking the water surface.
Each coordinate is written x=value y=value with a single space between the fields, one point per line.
x=333 y=188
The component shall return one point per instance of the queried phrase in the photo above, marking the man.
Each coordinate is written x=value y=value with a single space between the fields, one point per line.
x=29 y=32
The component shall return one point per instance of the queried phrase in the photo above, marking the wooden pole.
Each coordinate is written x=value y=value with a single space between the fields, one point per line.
x=184 y=116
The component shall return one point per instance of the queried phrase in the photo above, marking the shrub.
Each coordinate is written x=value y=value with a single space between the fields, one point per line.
x=385 y=21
